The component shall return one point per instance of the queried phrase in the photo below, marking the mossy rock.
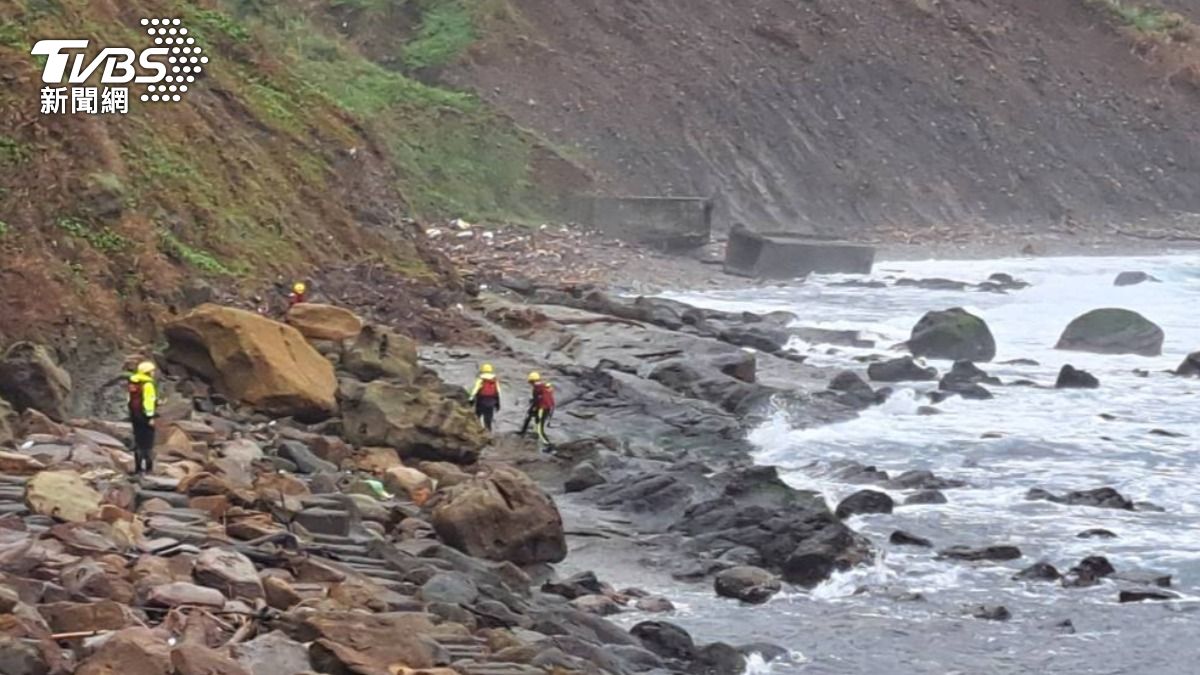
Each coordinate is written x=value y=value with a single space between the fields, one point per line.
x=1113 y=331
x=953 y=334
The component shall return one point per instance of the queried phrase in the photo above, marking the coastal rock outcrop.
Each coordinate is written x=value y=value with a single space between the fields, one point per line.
x=1105 y=498
x=324 y=322
x=751 y=585
x=792 y=531
x=903 y=369
x=1133 y=279
x=419 y=422
x=30 y=378
x=380 y=352
x=263 y=363
x=1112 y=331
x=1072 y=378
x=502 y=516
x=1190 y=366
x=953 y=334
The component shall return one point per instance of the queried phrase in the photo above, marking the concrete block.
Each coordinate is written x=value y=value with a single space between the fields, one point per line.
x=788 y=256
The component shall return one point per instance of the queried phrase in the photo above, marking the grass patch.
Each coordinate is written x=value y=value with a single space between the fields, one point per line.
x=447 y=30
x=12 y=151
x=4 y=229
x=1142 y=18
x=202 y=260
x=102 y=239
x=212 y=26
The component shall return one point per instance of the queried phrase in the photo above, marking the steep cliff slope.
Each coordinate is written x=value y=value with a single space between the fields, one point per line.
x=828 y=115
x=292 y=151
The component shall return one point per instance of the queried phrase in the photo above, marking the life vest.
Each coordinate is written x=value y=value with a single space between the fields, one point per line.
x=543 y=396
x=488 y=388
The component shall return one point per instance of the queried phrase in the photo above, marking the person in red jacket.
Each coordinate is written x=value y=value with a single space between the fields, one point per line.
x=541 y=409
x=298 y=295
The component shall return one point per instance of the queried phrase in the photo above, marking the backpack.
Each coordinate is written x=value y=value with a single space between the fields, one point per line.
x=489 y=389
x=136 y=398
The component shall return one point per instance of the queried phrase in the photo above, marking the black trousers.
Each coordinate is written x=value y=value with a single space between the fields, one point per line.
x=143 y=444
x=485 y=408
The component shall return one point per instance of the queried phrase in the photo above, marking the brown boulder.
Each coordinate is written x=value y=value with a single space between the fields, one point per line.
x=31 y=379
x=444 y=473
x=370 y=640
x=16 y=464
x=72 y=617
x=229 y=572
x=402 y=480
x=272 y=654
x=380 y=352
x=193 y=659
x=376 y=460
x=182 y=593
x=324 y=322
x=64 y=495
x=502 y=516
x=263 y=363
x=280 y=594
x=420 y=423
x=132 y=651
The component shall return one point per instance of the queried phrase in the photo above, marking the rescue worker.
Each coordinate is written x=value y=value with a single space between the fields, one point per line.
x=486 y=395
x=541 y=409
x=298 y=295
x=143 y=402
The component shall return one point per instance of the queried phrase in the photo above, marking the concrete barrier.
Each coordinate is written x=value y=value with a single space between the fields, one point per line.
x=669 y=223
x=788 y=256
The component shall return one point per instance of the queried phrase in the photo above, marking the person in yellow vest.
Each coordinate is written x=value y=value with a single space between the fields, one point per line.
x=143 y=404
x=486 y=395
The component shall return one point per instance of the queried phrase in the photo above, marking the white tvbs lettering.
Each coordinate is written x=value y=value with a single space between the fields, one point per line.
x=118 y=63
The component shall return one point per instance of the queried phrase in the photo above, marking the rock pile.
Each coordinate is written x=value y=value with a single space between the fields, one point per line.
x=264 y=545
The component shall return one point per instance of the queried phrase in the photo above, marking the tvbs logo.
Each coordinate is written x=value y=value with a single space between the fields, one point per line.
x=159 y=74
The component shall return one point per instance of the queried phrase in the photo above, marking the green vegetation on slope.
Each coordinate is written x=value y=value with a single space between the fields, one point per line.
x=292 y=149
x=1142 y=18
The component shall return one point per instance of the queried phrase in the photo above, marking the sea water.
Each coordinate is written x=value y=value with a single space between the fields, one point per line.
x=909 y=612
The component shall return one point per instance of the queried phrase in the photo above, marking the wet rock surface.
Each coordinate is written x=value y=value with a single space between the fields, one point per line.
x=1072 y=378
x=953 y=334
x=1113 y=331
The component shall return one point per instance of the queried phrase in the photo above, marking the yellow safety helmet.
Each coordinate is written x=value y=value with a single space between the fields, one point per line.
x=146 y=367
x=299 y=287
x=487 y=369
x=535 y=376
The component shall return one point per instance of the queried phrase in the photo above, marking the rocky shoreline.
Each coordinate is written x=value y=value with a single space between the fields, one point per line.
x=320 y=491
x=325 y=501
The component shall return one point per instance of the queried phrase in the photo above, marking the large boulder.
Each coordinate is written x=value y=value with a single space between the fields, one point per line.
x=380 y=352
x=63 y=495
x=420 y=423
x=1133 y=279
x=953 y=334
x=30 y=378
x=324 y=322
x=229 y=572
x=903 y=369
x=132 y=651
x=1112 y=331
x=263 y=363
x=1071 y=377
x=1190 y=366
x=503 y=516
x=751 y=585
